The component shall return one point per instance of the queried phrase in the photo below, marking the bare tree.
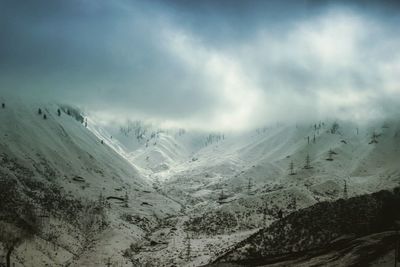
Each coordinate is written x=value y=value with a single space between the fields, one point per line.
x=102 y=201
x=126 y=199
x=11 y=237
x=109 y=263
x=188 y=247
x=345 y=193
x=249 y=186
x=291 y=168
x=308 y=165
x=265 y=213
x=93 y=221
x=222 y=196
x=293 y=203
x=22 y=228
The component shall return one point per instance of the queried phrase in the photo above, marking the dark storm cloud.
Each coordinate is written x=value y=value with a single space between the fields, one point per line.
x=210 y=64
x=238 y=18
x=94 y=50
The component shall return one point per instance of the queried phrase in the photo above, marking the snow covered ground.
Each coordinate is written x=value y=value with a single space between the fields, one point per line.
x=167 y=188
x=60 y=150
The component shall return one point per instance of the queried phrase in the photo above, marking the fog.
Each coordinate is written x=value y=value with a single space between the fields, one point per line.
x=212 y=65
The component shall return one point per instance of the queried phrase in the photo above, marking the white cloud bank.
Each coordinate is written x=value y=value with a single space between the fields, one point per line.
x=134 y=60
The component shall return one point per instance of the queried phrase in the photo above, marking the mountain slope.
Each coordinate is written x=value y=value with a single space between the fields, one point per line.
x=328 y=226
x=85 y=201
x=132 y=195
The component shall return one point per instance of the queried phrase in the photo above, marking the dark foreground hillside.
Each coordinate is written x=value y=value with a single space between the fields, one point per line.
x=352 y=232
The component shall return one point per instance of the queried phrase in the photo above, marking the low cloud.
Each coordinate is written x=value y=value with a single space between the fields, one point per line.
x=207 y=66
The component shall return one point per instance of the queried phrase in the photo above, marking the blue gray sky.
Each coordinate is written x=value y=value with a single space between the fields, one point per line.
x=218 y=65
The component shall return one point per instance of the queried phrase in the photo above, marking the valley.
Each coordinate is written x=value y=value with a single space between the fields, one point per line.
x=137 y=195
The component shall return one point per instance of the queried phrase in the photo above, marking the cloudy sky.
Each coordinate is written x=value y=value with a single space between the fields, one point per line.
x=205 y=64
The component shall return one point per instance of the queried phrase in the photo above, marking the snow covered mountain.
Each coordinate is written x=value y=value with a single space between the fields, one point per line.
x=366 y=157
x=77 y=188
x=85 y=194
x=243 y=182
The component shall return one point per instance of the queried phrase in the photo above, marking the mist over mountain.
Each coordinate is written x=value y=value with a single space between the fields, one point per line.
x=199 y=133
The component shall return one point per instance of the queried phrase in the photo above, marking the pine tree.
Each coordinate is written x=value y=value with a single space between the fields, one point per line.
x=45 y=116
x=58 y=112
x=40 y=111
x=3 y=105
